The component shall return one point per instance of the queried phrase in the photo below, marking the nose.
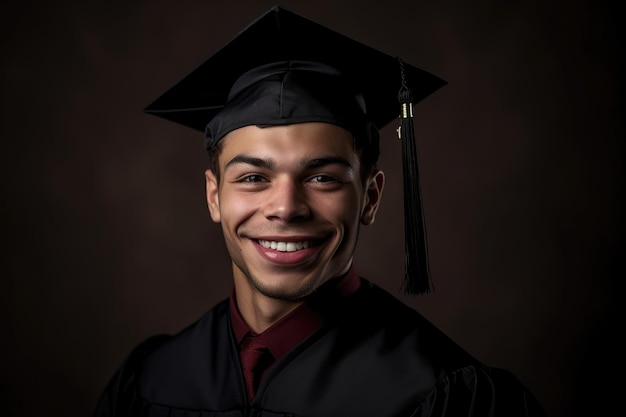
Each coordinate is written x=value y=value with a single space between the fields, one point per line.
x=287 y=202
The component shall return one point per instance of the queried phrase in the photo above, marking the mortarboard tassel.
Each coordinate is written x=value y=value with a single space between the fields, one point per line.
x=416 y=271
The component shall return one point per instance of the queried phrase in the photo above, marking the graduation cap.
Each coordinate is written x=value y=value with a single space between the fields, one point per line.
x=283 y=69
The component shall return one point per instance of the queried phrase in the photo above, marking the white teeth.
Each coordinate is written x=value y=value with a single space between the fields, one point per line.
x=284 y=246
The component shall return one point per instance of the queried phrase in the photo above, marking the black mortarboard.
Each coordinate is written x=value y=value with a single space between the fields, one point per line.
x=284 y=68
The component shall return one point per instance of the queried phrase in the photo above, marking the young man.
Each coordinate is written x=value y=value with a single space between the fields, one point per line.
x=291 y=112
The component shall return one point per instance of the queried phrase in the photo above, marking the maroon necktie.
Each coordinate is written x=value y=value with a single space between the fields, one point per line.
x=255 y=359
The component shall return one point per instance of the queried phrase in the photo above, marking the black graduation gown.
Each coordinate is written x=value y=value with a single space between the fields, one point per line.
x=374 y=357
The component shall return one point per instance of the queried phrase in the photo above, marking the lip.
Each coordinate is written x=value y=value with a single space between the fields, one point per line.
x=288 y=258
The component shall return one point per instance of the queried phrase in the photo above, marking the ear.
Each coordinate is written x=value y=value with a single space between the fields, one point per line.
x=373 y=195
x=212 y=195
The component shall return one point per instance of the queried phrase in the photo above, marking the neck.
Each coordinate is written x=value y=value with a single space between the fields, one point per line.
x=260 y=311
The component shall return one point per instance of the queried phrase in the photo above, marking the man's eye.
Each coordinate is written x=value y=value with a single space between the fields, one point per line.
x=323 y=178
x=252 y=178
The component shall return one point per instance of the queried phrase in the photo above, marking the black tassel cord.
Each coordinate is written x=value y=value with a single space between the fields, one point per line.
x=416 y=271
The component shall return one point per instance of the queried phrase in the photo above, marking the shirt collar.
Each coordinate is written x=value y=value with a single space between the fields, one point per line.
x=296 y=326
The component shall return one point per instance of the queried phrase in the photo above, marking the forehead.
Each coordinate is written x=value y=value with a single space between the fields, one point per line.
x=290 y=142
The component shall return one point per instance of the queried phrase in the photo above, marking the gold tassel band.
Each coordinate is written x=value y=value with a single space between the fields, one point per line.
x=407 y=110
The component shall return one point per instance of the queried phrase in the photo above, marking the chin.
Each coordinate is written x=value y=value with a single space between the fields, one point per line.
x=282 y=291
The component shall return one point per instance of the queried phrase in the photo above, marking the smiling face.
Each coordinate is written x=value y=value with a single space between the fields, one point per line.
x=290 y=200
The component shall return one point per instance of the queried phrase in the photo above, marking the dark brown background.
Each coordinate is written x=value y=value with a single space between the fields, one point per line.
x=107 y=239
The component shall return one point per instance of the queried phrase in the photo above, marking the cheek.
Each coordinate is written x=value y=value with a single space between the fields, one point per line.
x=344 y=209
x=237 y=207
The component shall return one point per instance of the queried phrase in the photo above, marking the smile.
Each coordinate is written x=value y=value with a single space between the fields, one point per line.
x=285 y=246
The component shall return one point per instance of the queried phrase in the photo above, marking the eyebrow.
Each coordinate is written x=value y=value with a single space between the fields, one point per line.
x=250 y=160
x=330 y=160
x=269 y=163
